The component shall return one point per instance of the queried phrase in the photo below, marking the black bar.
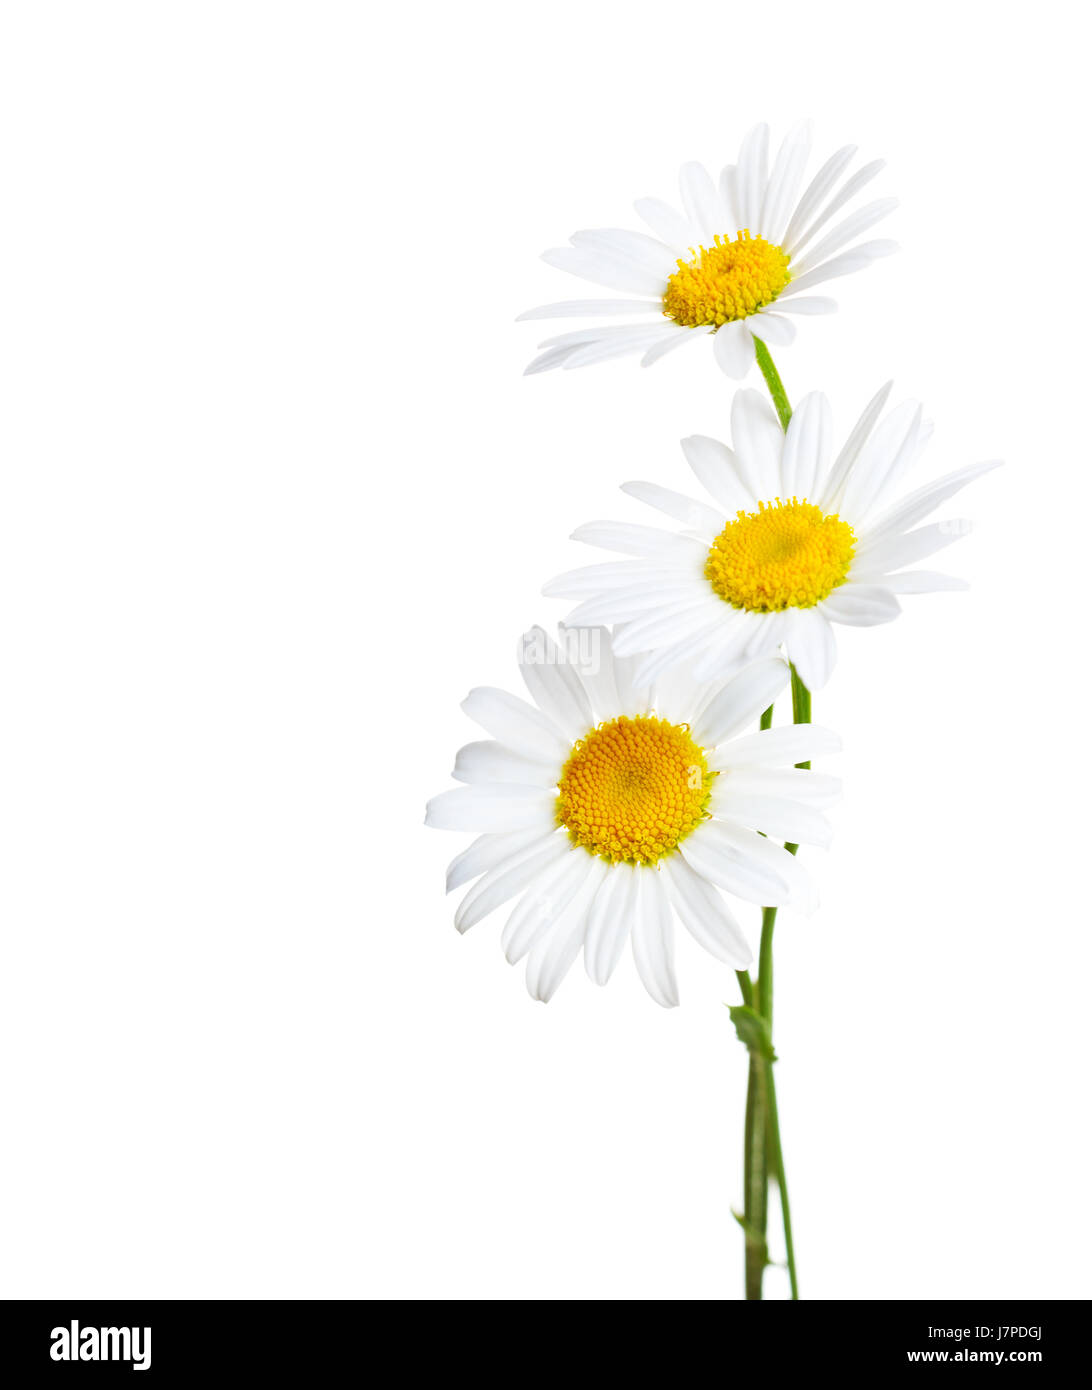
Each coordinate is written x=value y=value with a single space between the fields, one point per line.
x=328 y=1342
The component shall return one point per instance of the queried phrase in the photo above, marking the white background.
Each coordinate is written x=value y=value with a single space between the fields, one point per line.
x=275 y=494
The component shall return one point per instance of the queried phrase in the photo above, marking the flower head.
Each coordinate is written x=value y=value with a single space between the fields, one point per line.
x=790 y=543
x=606 y=808
x=732 y=264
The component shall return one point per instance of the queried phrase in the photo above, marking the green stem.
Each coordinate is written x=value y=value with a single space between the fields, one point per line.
x=801 y=704
x=763 y=1151
x=774 y=382
x=778 y=1160
x=764 y=990
x=756 y=1178
x=801 y=714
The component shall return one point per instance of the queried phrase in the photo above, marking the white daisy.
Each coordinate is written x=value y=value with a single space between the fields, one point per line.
x=739 y=249
x=607 y=807
x=792 y=544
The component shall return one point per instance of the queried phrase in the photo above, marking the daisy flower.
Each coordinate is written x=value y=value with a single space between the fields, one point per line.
x=606 y=808
x=788 y=544
x=741 y=255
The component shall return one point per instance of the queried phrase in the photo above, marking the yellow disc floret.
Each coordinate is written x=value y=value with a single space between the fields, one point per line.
x=725 y=281
x=633 y=788
x=785 y=555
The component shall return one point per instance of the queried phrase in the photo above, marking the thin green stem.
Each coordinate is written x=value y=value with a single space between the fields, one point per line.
x=755 y=1173
x=756 y=1177
x=763 y=1152
x=778 y=1160
x=745 y=988
x=763 y=993
x=801 y=714
x=801 y=704
x=764 y=984
x=774 y=382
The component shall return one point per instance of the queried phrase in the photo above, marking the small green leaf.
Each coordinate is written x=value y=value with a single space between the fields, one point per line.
x=752 y=1030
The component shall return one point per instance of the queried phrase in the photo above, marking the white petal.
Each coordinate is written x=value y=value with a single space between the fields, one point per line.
x=593 y=579
x=486 y=852
x=554 y=685
x=679 y=698
x=741 y=700
x=814 y=194
x=652 y=939
x=678 y=338
x=622 y=577
x=848 y=263
x=778 y=816
x=655 y=665
x=696 y=515
x=631 y=335
x=489 y=761
x=603 y=269
x=644 y=252
x=543 y=903
x=726 y=186
x=589 y=650
x=784 y=182
x=849 y=189
x=641 y=600
x=502 y=806
x=548 y=361
x=758 y=440
x=591 y=308
x=895 y=552
x=843 y=464
x=923 y=582
x=787 y=744
x=765 y=633
x=884 y=459
x=554 y=952
x=668 y=224
x=507 y=879
x=734 y=349
x=738 y=861
x=649 y=632
x=624 y=537
x=774 y=329
x=775 y=858
x=683 y=590
x=815 y=789
x=807 y=304
x=608 y=922
x=616 y=342
x=633 y=693
x=714 y=466
x=917 y=505
x=516 y=724
x=861 y=605
x=702 y=911
x=701 y=202
x=841 y=235
x=745 y=634
x=809 y=644
x=750 y=181
x=805 y=456
x=725 y=655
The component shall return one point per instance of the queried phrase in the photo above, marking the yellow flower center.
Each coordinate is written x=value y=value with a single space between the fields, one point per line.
x=785 y=555
x=633 y=788
x=726 y=281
